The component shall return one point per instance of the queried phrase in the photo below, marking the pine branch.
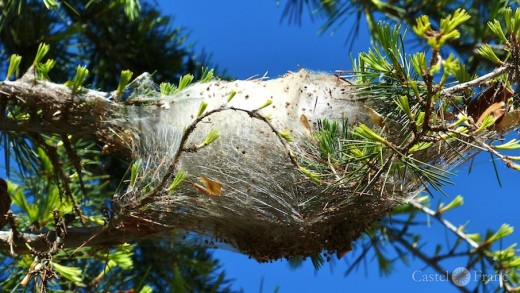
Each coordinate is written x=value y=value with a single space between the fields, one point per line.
x=54 y=110
x=445 y=222
x=328 y=184
x=110 y=236
x=477 y=81
x=397 y=237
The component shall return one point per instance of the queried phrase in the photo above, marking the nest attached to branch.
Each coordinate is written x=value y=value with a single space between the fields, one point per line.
x=253 y=188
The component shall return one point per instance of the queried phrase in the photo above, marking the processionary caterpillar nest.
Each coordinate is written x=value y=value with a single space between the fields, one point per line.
x=252 y=188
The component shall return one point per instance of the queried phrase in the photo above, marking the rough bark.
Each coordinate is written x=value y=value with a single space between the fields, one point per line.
x=53 y=109
x=109 y=236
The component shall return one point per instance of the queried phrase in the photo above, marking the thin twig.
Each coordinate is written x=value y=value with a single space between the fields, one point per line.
x=427 y=259
x=476 y=81
x=446 y=223
x=52 y=152
x=191 y=127
x=489 y=148
x=75 y=160
x=459 y=234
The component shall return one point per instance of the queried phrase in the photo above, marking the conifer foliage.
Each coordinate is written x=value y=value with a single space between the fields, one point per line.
x=111 y=171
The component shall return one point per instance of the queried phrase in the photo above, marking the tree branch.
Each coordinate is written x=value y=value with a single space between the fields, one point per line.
x=446 y=223
x=476 y=81
x=267 y=208
x=395 y=236
x=127 y=230
x=51 y=108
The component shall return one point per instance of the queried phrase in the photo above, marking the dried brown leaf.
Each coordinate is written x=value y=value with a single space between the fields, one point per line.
x=211 y=187
x=377 y=118
x=494 y=94
x=510 y=120
x=305 y=122
x=496 y=110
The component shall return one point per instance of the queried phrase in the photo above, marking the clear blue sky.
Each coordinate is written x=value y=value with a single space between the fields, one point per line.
x=246 y=38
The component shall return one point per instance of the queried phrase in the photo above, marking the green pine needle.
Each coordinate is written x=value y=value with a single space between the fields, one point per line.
x=212 y=136
x=134 y=170
x=423 y=26
x=126 y=76
x=286 y=134
x=132 y=9
x=420 y=146
x=487 y=52
x=146 y=289
x=207 y=75
x=43 y=69
x=366 y=132
x=488 y=121
x=51 y=4
x=179 y=178
x=313 y=176
x=266 y=104
x=504 y=231
x=496 y=28
x=72 y=274
x=451 y=22
x=513 y=144
x=167 y=88
x=268 y=117
x=231 y=96
x=79 y=78
x=202 y=108
x=402 y=103
x=456 y=202
x=418 y=61
x=14 y=63
x=185 y=81
x=43 y=49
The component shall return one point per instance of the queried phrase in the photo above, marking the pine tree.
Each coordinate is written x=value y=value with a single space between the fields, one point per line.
x=244 y=163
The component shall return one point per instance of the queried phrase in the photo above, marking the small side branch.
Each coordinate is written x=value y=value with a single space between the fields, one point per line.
x=190 y=128
x=446 y=223
x=476 y=81
x=395 y=236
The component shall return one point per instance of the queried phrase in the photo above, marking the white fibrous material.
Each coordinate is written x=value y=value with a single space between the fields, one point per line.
x=246 y=188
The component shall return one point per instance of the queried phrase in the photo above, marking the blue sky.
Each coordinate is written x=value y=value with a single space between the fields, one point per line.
x=246 y=38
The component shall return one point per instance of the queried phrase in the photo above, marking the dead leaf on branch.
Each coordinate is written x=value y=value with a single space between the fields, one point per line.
x=211 y=187
x=487 y=102
x=376 y=118
x=496 y=110
x=306 y=124
x=509 y=120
